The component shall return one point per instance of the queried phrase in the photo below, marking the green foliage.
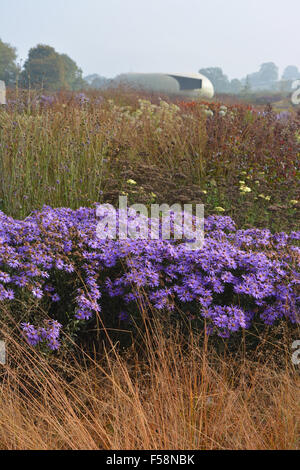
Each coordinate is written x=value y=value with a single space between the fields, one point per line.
x=218 y=79
x=235 y=86
x=47 y=69
x=95 y=81
x=72 y=73
x=43 y=68
x=265 y=78
x=8 y=67
x=291 y=72
x=221 y=82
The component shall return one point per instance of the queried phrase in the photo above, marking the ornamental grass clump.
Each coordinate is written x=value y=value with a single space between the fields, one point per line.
x=178 y=395
x=55 y=258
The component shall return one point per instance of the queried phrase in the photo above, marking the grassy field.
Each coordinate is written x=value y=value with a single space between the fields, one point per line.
x=74 y=150
x=159 y=380
x=179 y=396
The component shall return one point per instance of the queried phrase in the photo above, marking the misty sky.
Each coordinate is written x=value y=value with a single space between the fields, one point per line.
x=109 y=37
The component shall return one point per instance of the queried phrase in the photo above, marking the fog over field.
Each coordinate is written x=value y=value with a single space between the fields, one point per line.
x=109 y=37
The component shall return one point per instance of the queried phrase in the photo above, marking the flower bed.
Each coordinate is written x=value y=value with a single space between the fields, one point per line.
x=238 y=277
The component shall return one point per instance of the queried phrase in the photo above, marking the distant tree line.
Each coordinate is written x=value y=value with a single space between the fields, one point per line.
x=267 y=78
x=97 y=81
x=46 y=69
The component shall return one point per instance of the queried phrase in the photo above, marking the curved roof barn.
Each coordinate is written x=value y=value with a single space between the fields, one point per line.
x=191 y=86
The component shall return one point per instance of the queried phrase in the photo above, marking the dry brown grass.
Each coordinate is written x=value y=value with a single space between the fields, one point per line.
x=180 y=396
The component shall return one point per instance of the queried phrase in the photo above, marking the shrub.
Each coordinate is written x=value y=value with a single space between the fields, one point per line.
x=54 y=256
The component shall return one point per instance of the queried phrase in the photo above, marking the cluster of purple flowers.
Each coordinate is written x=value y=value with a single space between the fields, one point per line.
x=46 y=100
x=81 y=98
x=49 y=334
x=238 y=275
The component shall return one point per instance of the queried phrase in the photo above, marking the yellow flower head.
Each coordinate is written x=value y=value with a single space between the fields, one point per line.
x=245 y=189
x=131 y=182
x=266 y=198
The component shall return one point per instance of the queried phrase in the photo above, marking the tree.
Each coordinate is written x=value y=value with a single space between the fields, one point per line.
x=291 y=72
x=97 y=81
x=268 y=72
x=235 y=86
x=8 y=67
x=266 y=78
x=72 y=73
x=45 y=68
x=218 y=79
x=90 y=78
x=247 y=87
